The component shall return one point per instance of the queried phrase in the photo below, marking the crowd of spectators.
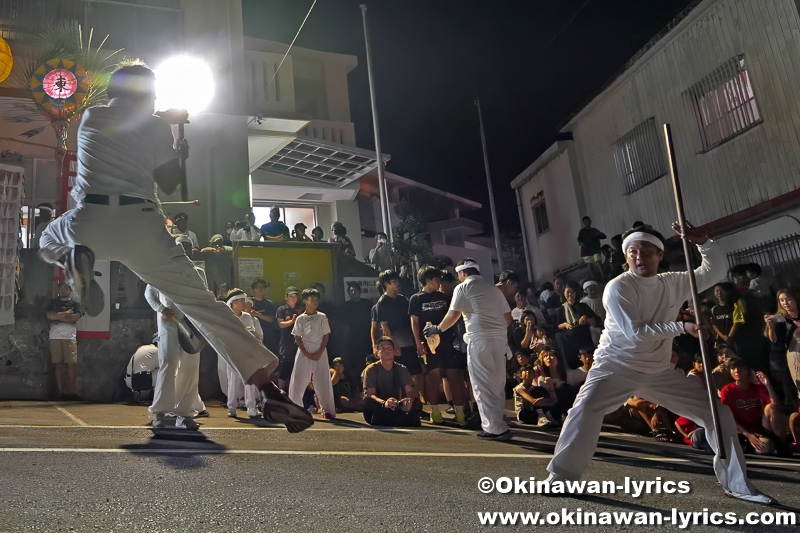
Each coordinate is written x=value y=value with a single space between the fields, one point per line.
x=385 y=367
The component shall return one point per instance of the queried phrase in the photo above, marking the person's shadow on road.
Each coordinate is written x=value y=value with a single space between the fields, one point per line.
x=180 y=449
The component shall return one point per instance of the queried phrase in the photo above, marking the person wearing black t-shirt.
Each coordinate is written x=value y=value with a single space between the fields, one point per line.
x=264 y=310
x=396 y=324
x=356 y=314
x=430 y=307
x=285 y=317
x=727 y=316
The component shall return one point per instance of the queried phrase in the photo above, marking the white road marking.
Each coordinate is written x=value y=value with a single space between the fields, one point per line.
x=246 y=427
x=71 y=416
x=204 y=451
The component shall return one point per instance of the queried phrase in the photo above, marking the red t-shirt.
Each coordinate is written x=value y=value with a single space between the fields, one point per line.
x=747 y=404
x=687 y=426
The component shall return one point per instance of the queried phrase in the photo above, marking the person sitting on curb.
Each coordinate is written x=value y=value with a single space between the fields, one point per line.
x=390 y=397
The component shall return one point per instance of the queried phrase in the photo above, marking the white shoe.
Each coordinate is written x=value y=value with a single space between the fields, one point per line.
x=185 y=422
x=758 y=497
x=231 y=413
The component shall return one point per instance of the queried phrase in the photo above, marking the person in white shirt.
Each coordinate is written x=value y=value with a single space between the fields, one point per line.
x=123 y=152
x=250 y=232
x=63 y=313
x=634 y=359
x=595 y=302
x=487 y=316
x=311 y=332
x=522 y=305
x=176 y=400
x=577 y=376
x=237 y=388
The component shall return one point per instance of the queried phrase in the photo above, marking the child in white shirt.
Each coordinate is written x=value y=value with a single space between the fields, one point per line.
x=311 y=332
x=236 y=299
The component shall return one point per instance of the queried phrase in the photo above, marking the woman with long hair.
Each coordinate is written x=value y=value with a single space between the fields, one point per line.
x=554 y=381
x=783 y=330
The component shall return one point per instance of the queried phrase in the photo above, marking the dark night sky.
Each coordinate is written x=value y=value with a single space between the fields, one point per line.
x=532 y=63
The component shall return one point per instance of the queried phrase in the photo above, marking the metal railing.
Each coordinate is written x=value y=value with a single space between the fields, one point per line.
x=779 y=258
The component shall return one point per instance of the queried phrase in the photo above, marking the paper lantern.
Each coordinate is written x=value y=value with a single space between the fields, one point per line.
x=60 y=86
x=6 y=60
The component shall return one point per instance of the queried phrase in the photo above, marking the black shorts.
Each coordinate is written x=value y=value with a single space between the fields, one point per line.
x=410 y=359
x=452 y=359
x=433 y=361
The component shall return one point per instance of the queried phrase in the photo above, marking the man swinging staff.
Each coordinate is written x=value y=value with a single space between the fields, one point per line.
x=633 y=358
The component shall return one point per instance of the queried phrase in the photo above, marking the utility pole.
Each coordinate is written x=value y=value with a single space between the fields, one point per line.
x=382 y=188
x=497 y=245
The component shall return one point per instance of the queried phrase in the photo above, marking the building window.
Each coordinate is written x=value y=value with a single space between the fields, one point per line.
x=540 y=213
x=724 y=104
x=639 y=156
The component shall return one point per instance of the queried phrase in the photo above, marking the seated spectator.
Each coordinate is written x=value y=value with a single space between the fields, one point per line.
x=548 y=298
x=657 y=419
x=345 y=395
x=560 y=395
x=754 y=405
x=696 y=373
x=535 y=335
x=525 y=363
x=760 y=286
x=299 y=233
x=593 y=298
x=181 y=227
x=527 y=398
x=574 y=319
x=692 y=435
x=721 y=375
x=522 y=305
x=390 y=397
x=316 y=235
x=577 y=377
x=217 y=244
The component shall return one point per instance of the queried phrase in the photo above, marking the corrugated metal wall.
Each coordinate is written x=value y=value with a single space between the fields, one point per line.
x=757 y=165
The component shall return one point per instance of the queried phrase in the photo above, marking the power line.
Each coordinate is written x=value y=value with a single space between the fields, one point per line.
x=288 y=50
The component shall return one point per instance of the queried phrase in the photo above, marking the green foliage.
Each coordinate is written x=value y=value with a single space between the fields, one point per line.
x=411 y=236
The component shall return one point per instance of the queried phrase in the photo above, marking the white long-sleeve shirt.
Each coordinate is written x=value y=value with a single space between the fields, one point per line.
x=640 y=313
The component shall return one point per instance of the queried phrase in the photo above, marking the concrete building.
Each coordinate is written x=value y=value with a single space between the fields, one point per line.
x=725 y=76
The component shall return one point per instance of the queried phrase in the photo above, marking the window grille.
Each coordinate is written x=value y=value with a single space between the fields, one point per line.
x=540 y=213
x=777 y=257
x=724 y=103
x=639 y=156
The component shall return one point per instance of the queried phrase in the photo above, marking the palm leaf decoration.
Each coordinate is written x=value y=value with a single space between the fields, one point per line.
x=92 y=65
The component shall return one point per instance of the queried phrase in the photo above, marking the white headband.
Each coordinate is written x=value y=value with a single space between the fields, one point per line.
x=237 y=297
x=468 y=264
x=589 y=283
x=642 y=236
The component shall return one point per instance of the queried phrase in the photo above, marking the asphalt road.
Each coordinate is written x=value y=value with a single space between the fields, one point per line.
x=83 y=467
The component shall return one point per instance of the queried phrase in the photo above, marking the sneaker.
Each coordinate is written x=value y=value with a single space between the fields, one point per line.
x=203 y=414
x=461 y=419
x=500 y=437
x=451 y=410
x=253 y=413
x=231 y=413
x=329 y=416
x=758 y=497
x=278 y=408
x=313 y=410
x=436 y=417
x=185 y=422
x=80 y=267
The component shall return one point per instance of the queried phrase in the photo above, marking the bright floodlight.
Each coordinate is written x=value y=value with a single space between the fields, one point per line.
x=184 y=82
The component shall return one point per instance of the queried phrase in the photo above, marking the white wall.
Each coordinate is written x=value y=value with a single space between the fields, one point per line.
x=758 y=165
x=558 y=247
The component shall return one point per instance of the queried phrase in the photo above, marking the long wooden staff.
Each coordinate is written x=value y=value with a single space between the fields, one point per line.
x=707 y=363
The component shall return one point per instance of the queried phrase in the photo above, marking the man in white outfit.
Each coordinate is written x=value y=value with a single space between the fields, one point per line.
x=175 y=393
x=123 y=151
x=633 y=358
x=487 y=316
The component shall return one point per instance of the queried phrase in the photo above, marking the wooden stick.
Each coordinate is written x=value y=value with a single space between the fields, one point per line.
x=707 y=362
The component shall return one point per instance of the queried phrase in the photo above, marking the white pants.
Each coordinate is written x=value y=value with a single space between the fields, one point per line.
x=486 y=362
x=609 y=384
x=304 y=370
x=178 y=375
x=237 y=388
x=140 y=241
